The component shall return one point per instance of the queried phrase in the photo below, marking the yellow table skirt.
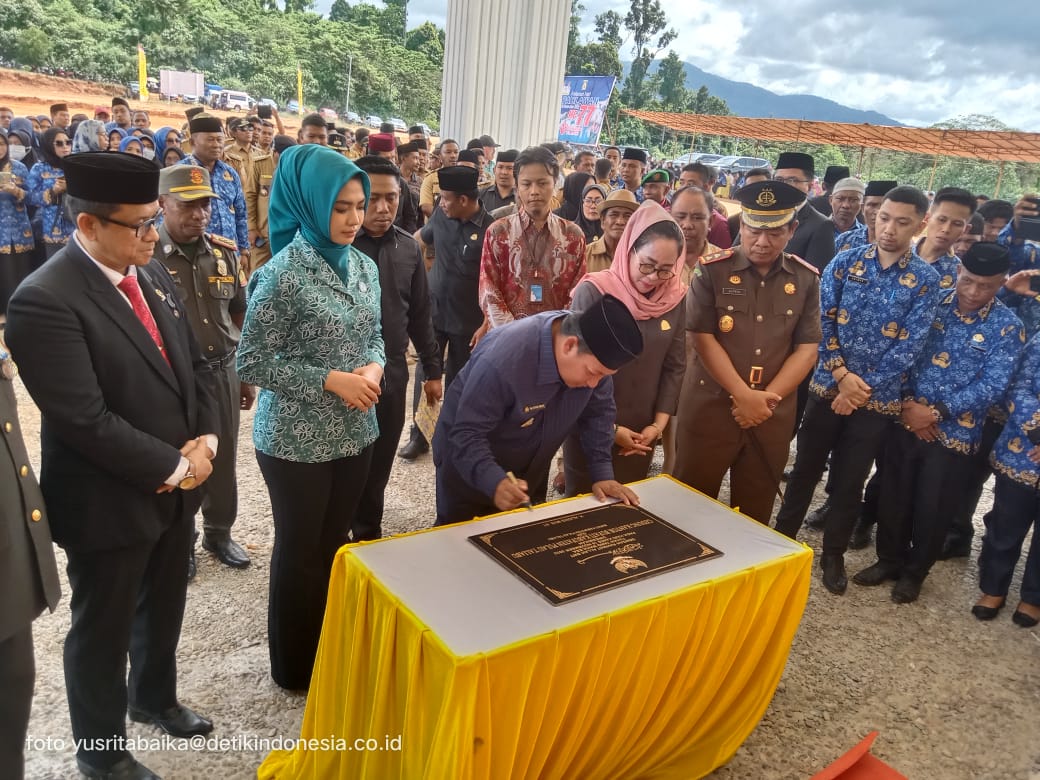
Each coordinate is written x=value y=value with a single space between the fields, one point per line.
x=667 y=688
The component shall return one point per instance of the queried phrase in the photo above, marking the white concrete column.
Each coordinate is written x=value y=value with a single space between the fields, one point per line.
x=503 y=70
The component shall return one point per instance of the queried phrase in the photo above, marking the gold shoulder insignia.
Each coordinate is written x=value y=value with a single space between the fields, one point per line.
x=797 y=259
x=714 y=257
x=221 y=241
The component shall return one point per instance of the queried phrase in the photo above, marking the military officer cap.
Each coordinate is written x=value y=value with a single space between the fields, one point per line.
x=104 y=177
x=768 y=204
x=194 y=111
x=416 y=129
x=849 y=184
x=611 y=332
x=507 y=156
x=234 y=123
x=880 y=187
x=457 y=178
x=204 y=123
x=58 y=107
x=799 y=160
x=836 y=173
x=984 y=258
x=186 y=183
x=470 y=156
x=632 y=153
x=118 y=101
x=382 y=142
x=658 y=176
x=337 y=141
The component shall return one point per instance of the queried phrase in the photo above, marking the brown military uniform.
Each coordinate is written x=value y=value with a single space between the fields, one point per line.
x=758 y=320
x=241 y=160
x=212 y=291
x=258 y=199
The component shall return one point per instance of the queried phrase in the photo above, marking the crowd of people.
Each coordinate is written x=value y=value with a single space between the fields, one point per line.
x=568 y=316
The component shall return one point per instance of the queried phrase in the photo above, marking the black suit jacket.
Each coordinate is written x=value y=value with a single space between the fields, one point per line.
x=813 y=239
x=114 y=412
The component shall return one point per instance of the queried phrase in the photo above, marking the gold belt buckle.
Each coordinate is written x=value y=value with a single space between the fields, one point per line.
x=755 y=377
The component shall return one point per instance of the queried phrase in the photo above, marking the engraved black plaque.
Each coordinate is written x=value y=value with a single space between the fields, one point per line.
x=585 y=552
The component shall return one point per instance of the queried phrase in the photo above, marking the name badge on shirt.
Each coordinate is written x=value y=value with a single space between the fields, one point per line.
x=858 y=279
x=734 y=291
x=533 y=408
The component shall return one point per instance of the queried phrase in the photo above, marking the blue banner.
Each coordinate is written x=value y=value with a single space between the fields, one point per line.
x=583 y=108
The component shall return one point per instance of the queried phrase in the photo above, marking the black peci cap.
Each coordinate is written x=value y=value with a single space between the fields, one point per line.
x=984 y=258
x=880 y=187
x=457 y=178
x=611 y=332
x=104 y=177
x=836 y=173
x=799 y=160
x=631 y=153
x=507 y=156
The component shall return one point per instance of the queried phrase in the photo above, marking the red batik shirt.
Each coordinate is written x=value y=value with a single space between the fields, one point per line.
x=524 y=270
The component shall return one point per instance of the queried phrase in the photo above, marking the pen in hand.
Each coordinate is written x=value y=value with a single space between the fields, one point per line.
x=512 y=478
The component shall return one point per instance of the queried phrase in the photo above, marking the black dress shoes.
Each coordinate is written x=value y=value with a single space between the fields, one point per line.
x=415 y=447
x=817 y=518
x=834 y=578
x=178 y=721
x=876 y=574
x=983 y=612
x=862 y=536
x=228 y=552
x=1020 y=618
x=906 y=590
x=125 y=769
x=955 y=549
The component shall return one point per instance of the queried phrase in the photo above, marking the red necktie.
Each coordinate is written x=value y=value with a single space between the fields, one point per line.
x=132 y=290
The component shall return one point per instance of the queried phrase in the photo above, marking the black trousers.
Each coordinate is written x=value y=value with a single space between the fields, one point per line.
x=458 y=350
x=313 y=505
x=128 y=600
x=922 y=484
x=220 y=491
x=368 y=521
x=17 y=676
x=962 y=527
x=1016 y=508
x=852 y=441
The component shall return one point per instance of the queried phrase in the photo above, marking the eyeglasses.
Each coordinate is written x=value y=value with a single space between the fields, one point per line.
x=592 y=201
x=646 y=269
x=63 y=143
x=141 y=228
x=790 y=180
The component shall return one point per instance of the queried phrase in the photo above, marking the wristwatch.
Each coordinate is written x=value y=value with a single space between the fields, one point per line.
x=189 y=478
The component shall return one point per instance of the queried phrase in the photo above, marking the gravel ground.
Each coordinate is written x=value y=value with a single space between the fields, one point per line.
x=953 y=698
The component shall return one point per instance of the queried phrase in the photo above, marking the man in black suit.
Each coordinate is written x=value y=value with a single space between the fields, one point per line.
x=28 y=577
x=128 y=410
x=813 y=240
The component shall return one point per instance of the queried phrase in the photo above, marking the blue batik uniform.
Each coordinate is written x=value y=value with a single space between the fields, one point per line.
x=853 y=237
x=1024 y=256
x=965 y=367
x=1010 y=455
x=50 y=207
x=16 y=234
x=947 y=265
x=228 y=217
x=875 y=322
x=509 y=410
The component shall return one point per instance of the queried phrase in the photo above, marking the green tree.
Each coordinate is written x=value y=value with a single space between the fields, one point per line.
x=428 y=39
x=608 y=28
x=672 y=89
x=32 y=48
x=648 y=25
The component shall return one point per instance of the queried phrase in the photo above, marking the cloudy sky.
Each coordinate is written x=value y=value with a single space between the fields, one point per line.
x=918 y=61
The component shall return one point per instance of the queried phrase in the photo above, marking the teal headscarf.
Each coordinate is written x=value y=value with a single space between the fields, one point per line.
x=308 y=180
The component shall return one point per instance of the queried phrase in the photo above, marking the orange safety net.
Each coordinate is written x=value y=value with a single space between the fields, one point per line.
x=972 y=144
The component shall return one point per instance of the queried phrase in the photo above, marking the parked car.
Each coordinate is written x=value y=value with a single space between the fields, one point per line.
x=189 y=98
x=373 y=121
x=425 y=128
x=267 y=102
x=292 y=107
x=231 y=100
x=328 y=114
x=738 y=163
x=693 y=157
x=398 y=124
x=352 y=116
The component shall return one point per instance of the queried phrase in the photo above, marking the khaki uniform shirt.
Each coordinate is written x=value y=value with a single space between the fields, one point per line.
x=242 y=161
x=211 y=289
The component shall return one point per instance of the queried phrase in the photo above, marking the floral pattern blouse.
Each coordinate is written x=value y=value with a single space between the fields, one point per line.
x=302 y=322
x=15 y=231
x=51 y=210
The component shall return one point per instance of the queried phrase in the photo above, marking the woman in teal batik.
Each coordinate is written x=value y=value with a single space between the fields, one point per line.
x=312 y=342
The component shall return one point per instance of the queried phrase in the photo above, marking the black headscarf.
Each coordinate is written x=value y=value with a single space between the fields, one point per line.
x=573 y=186
x=47 y=147
x=590 y=227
